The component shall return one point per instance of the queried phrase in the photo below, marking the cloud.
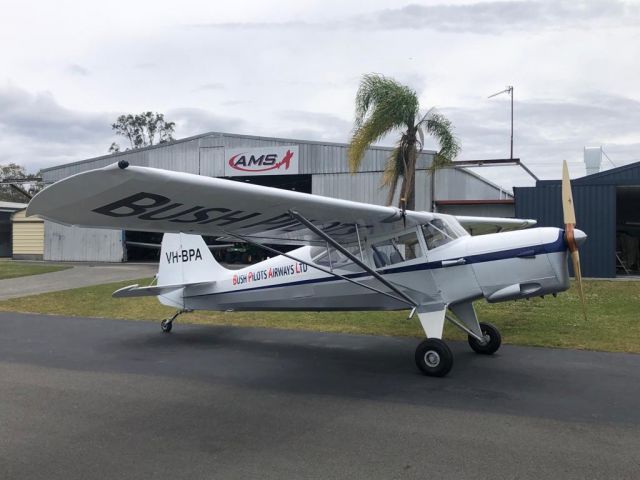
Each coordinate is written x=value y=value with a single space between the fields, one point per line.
x=234 y=103
x=193 y=121
x=145 y=65
x=259 y=25
x=39 y=117
x=36 y=131
x=75 y=69
x=209 y=86
x=546 y=131
x=481 y=17
x=312 y=126
x=494 y=17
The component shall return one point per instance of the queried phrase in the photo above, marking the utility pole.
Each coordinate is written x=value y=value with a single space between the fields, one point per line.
x=508 y=90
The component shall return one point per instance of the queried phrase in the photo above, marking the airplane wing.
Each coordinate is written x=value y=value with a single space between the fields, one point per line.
x=482 y=225
x=155 y=200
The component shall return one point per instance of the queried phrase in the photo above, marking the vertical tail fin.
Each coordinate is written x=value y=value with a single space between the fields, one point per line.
x=186 y=259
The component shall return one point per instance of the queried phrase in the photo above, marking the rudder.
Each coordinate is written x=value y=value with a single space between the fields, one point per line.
x=186 y=259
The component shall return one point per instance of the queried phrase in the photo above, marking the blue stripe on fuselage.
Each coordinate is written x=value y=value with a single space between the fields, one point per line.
x=557 y=245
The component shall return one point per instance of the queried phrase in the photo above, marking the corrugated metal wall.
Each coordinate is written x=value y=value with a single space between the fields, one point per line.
x=204 y=154
x=74 y=244
x=28 y=235
x=595 y=214
x=200 y=155
x=451 y=184
x=363 y=187
x=459 y=184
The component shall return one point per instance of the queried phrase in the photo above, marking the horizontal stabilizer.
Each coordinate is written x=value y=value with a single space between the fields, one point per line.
x=155 y=290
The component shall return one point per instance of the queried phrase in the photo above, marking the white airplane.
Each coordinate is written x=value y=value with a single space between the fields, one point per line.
x=353 y=256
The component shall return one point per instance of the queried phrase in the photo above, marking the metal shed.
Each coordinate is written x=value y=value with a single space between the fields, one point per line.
x=321 y=169
x=607 y=208
x=28 y=236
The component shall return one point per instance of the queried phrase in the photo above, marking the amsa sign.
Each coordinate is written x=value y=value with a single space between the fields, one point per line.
x=261 y=161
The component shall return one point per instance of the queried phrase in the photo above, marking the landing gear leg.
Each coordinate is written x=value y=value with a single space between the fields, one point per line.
x=167 y=323
x=433 y=357
x=483 y=338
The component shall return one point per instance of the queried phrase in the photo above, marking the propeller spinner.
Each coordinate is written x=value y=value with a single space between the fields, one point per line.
x=573 y=237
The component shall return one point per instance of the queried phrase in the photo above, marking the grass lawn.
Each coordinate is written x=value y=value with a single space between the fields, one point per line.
x=613 y=323
x=13 y=269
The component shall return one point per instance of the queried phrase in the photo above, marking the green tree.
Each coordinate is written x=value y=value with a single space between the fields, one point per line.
x=24 y=187
x=383 y=105
x=142 y=130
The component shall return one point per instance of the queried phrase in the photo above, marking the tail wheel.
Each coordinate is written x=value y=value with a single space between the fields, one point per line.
x=492 y=340
x=166 y=325
x=433 y=357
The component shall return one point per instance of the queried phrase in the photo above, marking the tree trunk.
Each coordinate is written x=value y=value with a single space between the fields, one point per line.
x=409 y=178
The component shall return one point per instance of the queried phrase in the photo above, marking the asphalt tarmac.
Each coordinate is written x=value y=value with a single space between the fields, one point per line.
x=92 y=398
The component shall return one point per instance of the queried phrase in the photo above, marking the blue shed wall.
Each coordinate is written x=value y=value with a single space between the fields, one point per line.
x=595 y=214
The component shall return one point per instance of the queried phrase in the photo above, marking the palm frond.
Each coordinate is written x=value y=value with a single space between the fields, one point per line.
x=438 y=126
x=382 y=105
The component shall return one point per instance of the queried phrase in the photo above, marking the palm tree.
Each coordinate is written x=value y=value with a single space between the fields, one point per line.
x=382 y=106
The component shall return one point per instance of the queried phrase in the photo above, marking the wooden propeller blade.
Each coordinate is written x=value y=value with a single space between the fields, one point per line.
x=575 y=258
x=567 y=197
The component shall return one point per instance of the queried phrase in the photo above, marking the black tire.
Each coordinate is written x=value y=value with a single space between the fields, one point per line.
x=433 y=357
x=493 y=343
x=166 y=325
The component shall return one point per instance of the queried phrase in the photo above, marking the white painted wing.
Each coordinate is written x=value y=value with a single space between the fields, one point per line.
x=154 y=200
x=482 y=225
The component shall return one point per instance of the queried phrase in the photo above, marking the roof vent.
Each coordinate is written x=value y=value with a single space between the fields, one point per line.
x=592 y=159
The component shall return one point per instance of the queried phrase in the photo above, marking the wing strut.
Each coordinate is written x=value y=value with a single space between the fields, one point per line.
x=352 y=257
x=317 y=267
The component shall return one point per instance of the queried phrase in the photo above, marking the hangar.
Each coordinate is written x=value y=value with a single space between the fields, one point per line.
x=7 y=209
x=607 y=210
x=307 y=166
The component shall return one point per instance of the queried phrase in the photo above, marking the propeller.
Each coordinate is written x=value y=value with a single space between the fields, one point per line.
x=572 y=236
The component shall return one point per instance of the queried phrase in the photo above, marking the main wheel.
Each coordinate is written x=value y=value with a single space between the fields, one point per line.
x=166 y=325
x=433 y=357
x=492 y=340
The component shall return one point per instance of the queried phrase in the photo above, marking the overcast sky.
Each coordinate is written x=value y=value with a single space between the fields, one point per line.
x=291 y=69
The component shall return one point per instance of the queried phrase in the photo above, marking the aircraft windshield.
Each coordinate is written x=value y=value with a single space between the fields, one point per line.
x=439 y=232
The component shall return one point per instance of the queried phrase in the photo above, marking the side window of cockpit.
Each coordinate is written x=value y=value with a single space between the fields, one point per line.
x=333 y=259
x=395 y=250
x=438 y=233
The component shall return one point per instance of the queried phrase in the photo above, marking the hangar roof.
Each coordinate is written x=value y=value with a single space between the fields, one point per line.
x=624 y=175
x=11 y=206
x=196 y=155
x=220 y=134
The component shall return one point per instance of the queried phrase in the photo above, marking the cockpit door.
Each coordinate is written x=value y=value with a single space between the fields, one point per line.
x=402 y=259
